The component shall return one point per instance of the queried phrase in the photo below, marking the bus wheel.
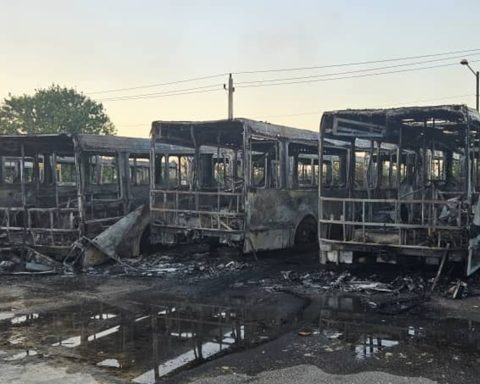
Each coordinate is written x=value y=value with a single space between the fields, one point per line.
x=306 y=231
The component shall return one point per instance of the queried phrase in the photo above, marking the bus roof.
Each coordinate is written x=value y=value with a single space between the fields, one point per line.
x=65 y=143
x=446 y=123
x=227 y=132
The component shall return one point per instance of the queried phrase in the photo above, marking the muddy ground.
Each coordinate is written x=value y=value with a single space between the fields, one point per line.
x=196 y=316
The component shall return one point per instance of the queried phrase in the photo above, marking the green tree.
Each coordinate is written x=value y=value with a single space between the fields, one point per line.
x=54 y=110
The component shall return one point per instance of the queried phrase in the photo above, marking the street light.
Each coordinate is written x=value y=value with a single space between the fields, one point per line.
x=477 y=76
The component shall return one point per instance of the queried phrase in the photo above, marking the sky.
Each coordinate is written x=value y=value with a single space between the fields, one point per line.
x=97 y=46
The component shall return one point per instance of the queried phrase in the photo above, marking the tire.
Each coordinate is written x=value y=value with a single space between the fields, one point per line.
x=306 y=232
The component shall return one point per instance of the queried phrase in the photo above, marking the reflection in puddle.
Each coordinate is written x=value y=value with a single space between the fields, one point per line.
x=112 y=363
x=144 y=344
x=6 y=315
x=17 y=340
x=21 y=355
x=371 y=345
x=71 y=342
x=101 y=334
x=203 y=351
x=24 y=318
x=142 y=318
x=103 y=316
x=367 y=333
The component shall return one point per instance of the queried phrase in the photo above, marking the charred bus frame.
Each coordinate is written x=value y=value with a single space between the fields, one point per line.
x=54 y=189
x=410 y=188
x=248 y=183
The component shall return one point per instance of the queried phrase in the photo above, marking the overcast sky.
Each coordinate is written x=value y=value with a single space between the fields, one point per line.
x=102 y=45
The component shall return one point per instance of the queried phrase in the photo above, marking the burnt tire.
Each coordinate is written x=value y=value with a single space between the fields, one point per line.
x=306 y=232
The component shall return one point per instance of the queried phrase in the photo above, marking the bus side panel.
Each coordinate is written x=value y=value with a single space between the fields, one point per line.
x=273 y=216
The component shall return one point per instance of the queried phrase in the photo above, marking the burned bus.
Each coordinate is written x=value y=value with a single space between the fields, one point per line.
x=57 y=188
x=248 y=184
x=407 y=185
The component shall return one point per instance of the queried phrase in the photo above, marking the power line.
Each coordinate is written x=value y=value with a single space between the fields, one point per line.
x=467 y=51
x=352 y=72
x=280 y=81
x=358 y=62
x=160 y=84
x=266 y=83
x=176 y=94
x=293 y=80
x=206 y=88
x=347 y=77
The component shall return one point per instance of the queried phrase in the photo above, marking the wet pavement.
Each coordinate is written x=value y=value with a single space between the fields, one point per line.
x=237 y=326
x=154 y=341
x=143 y=341
x=343 y=335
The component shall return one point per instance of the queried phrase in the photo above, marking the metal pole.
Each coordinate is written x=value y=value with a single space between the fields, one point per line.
x=80 y=181
x=24 y=197
x=477 y=75
x=156 y=363
x=230 y=96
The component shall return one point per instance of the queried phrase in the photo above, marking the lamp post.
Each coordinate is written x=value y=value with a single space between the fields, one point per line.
x=477 y=76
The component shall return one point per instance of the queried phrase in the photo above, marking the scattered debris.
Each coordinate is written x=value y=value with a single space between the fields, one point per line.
x=458 y=290
x=36 y=267
x=440 y=268
x=331 y=334
x=305 y=332
x=188 y=260
x=44 y=260
x=26 y=260
x=7 y=265
x=118 y=239
x=346 y=282
x=398 y=304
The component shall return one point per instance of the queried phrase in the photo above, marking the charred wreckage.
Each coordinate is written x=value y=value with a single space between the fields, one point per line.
x=378 y=184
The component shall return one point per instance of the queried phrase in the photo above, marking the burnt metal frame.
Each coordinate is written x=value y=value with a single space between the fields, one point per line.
x=386 y=133
x=218 y=219
x=250 y=130
x=79 y=147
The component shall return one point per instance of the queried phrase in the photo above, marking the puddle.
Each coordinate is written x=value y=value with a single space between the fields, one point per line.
x=142 y=343
x=367 y=334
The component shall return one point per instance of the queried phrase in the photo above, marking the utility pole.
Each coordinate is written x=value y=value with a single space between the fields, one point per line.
x=230 y=90
x=477 y=76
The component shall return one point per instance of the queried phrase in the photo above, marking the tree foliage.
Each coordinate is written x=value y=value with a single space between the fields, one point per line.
x=54 y=110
